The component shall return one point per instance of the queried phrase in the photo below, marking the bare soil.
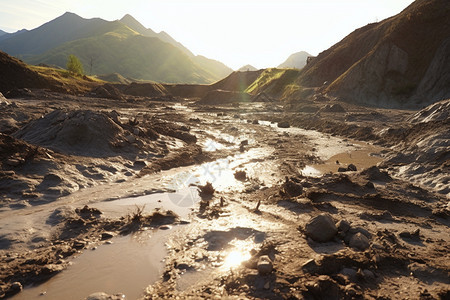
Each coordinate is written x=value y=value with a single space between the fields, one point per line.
x=63 y=155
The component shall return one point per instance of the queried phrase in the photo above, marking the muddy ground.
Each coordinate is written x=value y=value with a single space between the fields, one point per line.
x=297 y=228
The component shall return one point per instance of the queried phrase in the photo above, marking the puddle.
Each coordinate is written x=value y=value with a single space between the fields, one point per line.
x=366 y=156
x=126 y=266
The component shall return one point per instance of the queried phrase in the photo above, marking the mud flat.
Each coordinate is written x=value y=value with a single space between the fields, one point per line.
x=308 y=209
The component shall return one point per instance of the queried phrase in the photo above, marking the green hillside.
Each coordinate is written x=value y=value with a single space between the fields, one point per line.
x=125 y=47
x=126 y=52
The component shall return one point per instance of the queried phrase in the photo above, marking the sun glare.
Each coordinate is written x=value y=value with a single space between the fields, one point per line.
x=235 y=258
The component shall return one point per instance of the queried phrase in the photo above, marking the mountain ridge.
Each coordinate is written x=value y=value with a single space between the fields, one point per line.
x=95 y=42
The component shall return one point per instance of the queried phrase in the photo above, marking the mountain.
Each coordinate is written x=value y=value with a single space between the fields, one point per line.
x=247 y=68
x=210 y=65
x=123 y=46
x=2 y=32
x=138 y=27
x=296 y=60
x=396 y=62
x=6 y=35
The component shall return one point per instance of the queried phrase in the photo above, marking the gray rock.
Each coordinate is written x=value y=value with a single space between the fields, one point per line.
x=368 y=275
x=321 y=228
x=349 y=272
x=264 y=265
x=359 y=241
x=354 y=230
x=343 y=225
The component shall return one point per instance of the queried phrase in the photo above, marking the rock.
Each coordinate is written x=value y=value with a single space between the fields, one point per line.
x=107 y=235
x=310 y=266
x=16 y=287
x=349 y=272
x=359 y=241
x=351 y=167
x=343 y=225
x=283 y=124
x=369 y=185
x=368 y=275
x=341 y=169
x=264 y=265
x=325 y=288
x=321 y=228
x=255 y=122
x=354 y=230
x=292 y=188
x=240 y=175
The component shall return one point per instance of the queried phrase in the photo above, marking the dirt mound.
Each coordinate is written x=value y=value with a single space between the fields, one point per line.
x=16 y=74
x=224 y=97
x=79 y=132
x=423 y=157
x=107 y=91
x=439 y=111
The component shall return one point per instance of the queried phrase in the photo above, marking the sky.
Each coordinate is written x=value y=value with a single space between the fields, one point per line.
x=262 y=33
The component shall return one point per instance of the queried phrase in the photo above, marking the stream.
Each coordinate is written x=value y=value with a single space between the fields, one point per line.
x=130 y=263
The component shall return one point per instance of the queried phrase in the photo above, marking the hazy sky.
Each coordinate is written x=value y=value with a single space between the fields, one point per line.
x=262 y=33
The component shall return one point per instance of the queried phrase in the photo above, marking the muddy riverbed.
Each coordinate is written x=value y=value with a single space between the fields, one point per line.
x=139 y=220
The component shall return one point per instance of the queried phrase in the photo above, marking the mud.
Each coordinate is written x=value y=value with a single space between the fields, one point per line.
x=223 y=196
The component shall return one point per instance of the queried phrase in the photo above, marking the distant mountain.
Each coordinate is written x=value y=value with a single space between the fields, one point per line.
x=7 y=35
x=395 y=62
x=296 y=60
x=124 y=46
x=138 y=27
x=2 y=32
x=247 y=68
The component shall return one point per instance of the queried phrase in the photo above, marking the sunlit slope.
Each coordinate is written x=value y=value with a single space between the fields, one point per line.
x=386 y=63
x=19 y=75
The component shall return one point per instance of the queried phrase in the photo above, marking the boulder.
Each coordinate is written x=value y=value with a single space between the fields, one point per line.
x=359 y=241
x=321 y=228
x=264 y=265
x=283 y=124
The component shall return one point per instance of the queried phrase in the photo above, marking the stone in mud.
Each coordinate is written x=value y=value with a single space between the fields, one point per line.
x=341 y=169
x=240 y=175
x=107 y=235
x=264 y=265
x=351 y=167
x=359 y=241
x=325 y=288
x=343 y=225
x=292 y=188
x=283 y=124
x=16 y=287
x=321 y=228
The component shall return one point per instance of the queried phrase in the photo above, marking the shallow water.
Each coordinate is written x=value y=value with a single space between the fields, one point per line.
x=126 y=266
x=364 y=157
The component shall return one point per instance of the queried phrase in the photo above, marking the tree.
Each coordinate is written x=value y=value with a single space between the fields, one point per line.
x=74 y=65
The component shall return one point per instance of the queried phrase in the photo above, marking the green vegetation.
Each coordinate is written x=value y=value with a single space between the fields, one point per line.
x=276 y=82
x=74 y=65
